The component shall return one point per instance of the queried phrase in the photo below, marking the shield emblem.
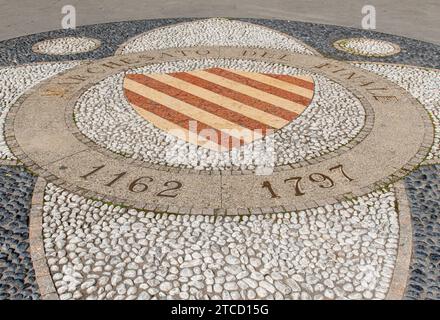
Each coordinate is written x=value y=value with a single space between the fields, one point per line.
x=219 y=108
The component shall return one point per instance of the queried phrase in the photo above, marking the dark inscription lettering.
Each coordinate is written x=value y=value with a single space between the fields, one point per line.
x=386 y=99
x=95 y=69
x=54 y=92
x=320 y=66
x=147 y=58
x=127 y=61
x=112 y=65
x=376 y=89
x=319 y=177
x=168 y=55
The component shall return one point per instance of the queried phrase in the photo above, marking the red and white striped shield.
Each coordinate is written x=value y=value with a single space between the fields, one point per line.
x=218 y=108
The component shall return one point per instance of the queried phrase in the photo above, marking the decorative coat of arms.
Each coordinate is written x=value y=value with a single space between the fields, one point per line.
x=219 y=108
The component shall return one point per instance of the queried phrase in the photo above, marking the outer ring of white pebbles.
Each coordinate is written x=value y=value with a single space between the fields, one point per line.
x=104 y=115
x=66 y=45
x=367 y=47
x=214 y=32
x=101 y=251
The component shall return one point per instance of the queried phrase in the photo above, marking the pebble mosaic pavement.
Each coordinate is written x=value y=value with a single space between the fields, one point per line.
x=17 y=280
x=62 y=241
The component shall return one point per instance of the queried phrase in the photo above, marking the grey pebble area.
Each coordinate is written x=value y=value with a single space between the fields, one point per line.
x=423 y=190
x=17 y=276
x=112 y=35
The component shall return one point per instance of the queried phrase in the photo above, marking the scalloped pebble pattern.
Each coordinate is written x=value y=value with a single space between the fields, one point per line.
x=367 y=47
x=103 y=251
x=17 y=276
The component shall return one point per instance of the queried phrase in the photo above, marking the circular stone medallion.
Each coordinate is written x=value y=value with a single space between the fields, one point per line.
x=53 y=143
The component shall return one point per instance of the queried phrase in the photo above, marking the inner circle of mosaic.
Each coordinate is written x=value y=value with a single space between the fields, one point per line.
x=218 y=159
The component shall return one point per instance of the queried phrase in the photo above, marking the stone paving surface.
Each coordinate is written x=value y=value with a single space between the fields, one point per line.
x=423 y=188
x=101 y=251
x=17 y=277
